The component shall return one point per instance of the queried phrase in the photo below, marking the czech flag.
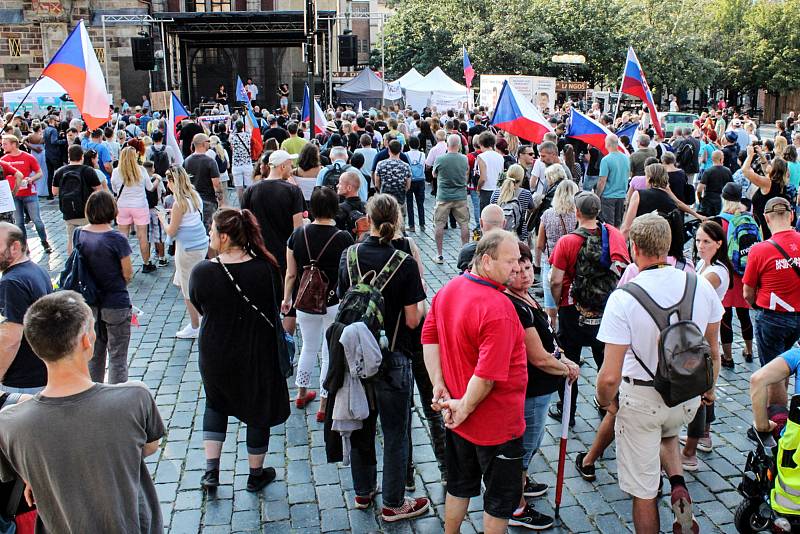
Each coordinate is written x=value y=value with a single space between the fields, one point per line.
x=635 y=84
x=589 y=131
x=629 y=131
x=469 y=72
x=518 y=116
x=76 y=68
x=176 y=114
x=250 y=121
x=320 y=124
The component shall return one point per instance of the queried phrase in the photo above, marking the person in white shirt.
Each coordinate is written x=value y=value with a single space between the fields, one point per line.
x=645 y=425
x=252 y=90
x=490 y=166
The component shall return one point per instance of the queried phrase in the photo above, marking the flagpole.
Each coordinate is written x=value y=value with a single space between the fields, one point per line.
x=619 y=92
x=24 y=98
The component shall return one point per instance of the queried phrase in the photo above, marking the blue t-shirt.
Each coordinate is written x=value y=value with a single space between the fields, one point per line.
x=617 y=168
x=708 y=148
x=794 y=173
x=792 y=358
x=103 y=155
x=103 y=252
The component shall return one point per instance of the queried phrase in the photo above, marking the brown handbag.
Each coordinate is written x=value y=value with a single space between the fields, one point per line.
x=312 y=292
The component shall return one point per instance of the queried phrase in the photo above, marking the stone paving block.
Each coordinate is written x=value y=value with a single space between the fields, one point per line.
x=218 y=512
x=246 y=520
x=329 y=497
x=334 y=519
x=304 y=515
x=185 y=522
x=299 y=493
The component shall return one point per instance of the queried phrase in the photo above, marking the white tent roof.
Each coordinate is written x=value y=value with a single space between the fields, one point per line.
x=409 y=78
x=45 y=87
x=437 y=82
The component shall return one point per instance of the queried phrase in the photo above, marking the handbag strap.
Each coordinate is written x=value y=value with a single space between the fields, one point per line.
x=324 y=247
x=14 y=498
x=241 y=293
x=788 y=258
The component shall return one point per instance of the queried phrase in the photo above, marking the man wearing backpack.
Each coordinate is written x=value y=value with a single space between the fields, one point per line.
x=329 y=176
x=646 y=426
x=72 y=184
x=687 y=149
x=352 y=212
x=590 y=259
x=160 y=154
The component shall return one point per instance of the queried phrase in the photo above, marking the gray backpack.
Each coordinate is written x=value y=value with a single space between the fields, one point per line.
x=685 y=368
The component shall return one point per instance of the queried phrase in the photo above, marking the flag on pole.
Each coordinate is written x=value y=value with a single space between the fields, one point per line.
x=76 y=68
x=518 y=116
x=629 y=131
x=469 y=72
x=320 y=124
x=251 y=125
x=562 y=449
x=360 y=108
x=635 y=84
x=589 y=131
x=176 y=114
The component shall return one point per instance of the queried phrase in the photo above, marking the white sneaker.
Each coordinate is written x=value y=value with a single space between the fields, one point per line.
x=187 y=332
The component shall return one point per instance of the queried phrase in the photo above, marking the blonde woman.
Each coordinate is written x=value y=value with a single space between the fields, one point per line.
x=221 y=156
x=514 y=200
x=557 y=221
x=191 y=242
x=780 y=146
x=130 y=181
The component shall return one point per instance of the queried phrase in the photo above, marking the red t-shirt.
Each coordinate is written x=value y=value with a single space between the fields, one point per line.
x=778 y=286
x=565 y=256
x=479 y=333
x=27 y=165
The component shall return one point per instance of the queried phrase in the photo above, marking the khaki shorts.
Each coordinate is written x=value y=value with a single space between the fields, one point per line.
x=642 y=421
x=185 y=260
x=458 y=208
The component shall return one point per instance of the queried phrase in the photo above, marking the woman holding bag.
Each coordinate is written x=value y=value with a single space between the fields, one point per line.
x=312 y=256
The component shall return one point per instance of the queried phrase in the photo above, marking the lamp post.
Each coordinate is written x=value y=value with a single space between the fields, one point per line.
x=568 y=59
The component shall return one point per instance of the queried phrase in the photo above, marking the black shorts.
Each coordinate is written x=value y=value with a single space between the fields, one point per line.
x=500 y=467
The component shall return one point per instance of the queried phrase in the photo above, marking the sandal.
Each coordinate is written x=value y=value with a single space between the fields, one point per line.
x=301 y=402
x=727 y=363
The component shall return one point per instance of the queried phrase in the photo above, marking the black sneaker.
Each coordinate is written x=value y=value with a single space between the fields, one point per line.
x=748 y=357
x=163 y=262
x=586 y=471
x=255 y=483
x=148 y=267
x=210 y=479
x=530 y=518
x=47 y=248
x=533 y=488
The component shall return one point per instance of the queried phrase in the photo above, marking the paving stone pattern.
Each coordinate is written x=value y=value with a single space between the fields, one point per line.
x=310 y=495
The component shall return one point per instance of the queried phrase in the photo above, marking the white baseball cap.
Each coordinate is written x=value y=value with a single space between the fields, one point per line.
x=280 y=156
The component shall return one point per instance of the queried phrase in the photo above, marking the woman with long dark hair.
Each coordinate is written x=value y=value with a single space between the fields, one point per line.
x=237 y=294
x=713 y=265
x=770 y=186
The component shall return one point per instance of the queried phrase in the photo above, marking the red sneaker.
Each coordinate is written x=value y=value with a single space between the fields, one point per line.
x=301 y=402
x=320 y=417
x=364 y=502
x=410 y=508
x=685 y=521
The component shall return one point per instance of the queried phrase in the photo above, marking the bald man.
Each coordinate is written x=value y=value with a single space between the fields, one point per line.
x=491 y=217
x=709 y=190
x=351 y=208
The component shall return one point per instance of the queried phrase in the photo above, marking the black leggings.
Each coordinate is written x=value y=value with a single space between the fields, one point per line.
x=215 y=424
x=726 y=328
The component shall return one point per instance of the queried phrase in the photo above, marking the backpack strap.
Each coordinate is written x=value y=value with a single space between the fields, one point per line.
x=794 y=267
x=353 y=268
x=659 y=314
x=388 y=271
x=687 y=301
x=324 y=247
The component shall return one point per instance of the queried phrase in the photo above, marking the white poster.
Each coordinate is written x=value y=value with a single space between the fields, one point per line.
x=392 y=91
x=544 y=93
x=6 y=198
x=537 y=89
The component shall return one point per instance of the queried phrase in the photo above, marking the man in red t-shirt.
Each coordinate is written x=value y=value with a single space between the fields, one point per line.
x=24 y=190
x=574 y=330
x=477 y=365
x=772 y=283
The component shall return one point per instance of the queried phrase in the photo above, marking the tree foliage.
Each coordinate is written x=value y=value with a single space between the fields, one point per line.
x=740 y=44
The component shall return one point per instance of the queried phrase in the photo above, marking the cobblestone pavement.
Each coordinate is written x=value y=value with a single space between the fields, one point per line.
x=310 y=495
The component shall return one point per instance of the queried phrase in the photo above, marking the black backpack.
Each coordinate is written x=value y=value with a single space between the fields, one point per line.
x=595 y=278
x=685 y=156
x=160 y=160
x=72 y=194
x=335 y=171
x=76 y=275
x=535 y=216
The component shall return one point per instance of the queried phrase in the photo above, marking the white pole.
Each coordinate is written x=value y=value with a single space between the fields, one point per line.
x=105 y=50
x=164 y=51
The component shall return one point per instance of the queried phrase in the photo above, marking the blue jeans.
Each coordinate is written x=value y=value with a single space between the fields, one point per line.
x=535 y=418
x=28 y=391
x=31 y=206
x=776 y=332
x=476 y=206
x=393 y=396
x=417 y=192
x=589 y=182
x=548 y=295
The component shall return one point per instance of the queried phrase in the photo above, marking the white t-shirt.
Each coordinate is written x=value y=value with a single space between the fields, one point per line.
x=494 y=166
x=131 y=196
x=625 y=322
x=721 y=271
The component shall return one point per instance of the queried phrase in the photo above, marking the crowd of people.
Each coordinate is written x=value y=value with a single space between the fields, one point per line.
x=320 y=252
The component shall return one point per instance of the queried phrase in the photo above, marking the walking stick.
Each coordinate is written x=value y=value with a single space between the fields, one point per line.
x=566 y=408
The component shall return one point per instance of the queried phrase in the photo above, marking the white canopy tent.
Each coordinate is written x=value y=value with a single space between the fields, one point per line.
x=436 y=89
x=47 y=92
x=409 y=78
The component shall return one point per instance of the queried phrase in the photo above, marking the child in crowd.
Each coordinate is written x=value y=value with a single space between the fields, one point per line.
x=155 y=200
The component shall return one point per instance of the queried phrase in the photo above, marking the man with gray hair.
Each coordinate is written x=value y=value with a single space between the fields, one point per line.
x=548 y=155
x=612 y=185
x=643 y=151
x=329 y=176
x=52 y=441
x=450 y=171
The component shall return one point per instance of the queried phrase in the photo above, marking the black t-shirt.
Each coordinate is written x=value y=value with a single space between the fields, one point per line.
x=103 y=253
x=89 y=178
x=466 y=255
x=274 y=203
x=677 y=182
x=201 y=170
x=22 y=285
x=594 y=162
x=730 y=157
x=715 y=178
x=539 y=382
x=318 y=235
x=277 y=133
x=404 y=289
x=187 y=133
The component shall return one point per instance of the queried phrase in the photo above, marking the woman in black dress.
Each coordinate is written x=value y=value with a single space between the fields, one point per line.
x=236 y=293
x=221 y=97
x=770 y=186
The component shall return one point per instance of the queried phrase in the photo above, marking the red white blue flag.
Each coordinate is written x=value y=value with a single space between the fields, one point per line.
x=517 y=115
x=320 y=124
x=589 y=131
x=175 y=115
x=469 y=72
x=250 y=122
x=76 y=68
x=635 y=84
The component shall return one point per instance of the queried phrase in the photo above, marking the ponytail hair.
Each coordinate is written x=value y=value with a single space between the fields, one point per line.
x=383 y=211
x=242 y=228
